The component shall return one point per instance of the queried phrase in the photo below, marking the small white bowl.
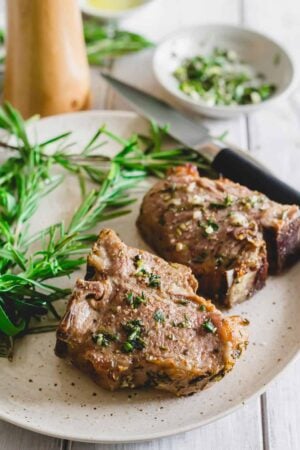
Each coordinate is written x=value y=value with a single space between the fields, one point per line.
x=262 y=53
x=107 y=15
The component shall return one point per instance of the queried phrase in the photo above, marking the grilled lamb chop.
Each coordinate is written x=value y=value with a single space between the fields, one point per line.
x=137 y=322
x=226 y=233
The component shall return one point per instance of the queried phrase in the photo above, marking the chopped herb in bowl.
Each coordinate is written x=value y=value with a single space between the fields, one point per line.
x=221 y=78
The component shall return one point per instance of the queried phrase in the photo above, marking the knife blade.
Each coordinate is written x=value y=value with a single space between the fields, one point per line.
x=182 y=128
x=232 y=163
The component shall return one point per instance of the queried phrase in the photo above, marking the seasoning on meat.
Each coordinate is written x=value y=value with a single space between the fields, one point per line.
x=228 y=234
x=175 y=340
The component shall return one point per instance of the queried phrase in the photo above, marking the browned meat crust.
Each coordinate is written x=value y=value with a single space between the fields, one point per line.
x=226 y=233
x=138 y=322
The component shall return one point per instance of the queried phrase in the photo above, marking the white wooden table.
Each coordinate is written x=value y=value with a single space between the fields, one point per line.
x=271 y=421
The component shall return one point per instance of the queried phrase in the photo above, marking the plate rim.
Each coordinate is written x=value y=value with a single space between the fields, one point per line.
x=158 y=435
x=150 y=435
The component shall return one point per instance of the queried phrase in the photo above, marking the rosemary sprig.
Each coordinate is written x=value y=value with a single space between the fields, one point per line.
x=104 y=43
x=25 y=177
x=26 y=293
x=139 y=155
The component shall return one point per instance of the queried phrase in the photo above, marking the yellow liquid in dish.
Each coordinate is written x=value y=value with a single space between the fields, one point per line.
x=113 y=5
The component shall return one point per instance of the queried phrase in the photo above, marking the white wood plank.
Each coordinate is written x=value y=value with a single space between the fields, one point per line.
x=15 y=438
x=281 y=403
x=275 y=139
x=164 y=16
x=274 y=133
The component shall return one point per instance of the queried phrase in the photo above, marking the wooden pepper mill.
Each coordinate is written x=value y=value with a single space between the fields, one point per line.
x=46 y=65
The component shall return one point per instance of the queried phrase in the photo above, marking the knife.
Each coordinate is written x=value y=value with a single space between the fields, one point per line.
x=229 y=162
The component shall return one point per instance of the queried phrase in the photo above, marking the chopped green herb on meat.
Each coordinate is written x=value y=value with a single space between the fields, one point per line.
x=138 y=262
x=159 y=316
x=228 y=201
x=104 y=338
x=134 y=341
x=209 y=326
x=135 y=300
x=209 y=227
x=154 y=280
x=127 y=347
x=141 y=273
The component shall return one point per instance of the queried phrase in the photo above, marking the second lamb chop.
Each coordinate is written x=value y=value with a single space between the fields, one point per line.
x=226 y=233
x=137 y=321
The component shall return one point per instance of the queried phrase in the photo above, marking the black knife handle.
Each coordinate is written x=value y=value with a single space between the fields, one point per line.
x=234 y=166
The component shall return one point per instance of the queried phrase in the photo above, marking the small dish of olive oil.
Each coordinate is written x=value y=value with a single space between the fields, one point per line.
x=113 y=5
x=111 y=9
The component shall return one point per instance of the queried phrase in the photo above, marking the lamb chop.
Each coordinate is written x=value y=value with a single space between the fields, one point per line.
x=136 y=321
x=228 y=234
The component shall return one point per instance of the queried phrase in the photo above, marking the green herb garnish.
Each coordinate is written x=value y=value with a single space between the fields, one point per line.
x=221 y=78
x=138 y=262
x=135 y=300
x=134 y=341
x=128 y=347
x=228 y=201
x=142 y=273
x=104 y=338
x=154 y=280
x=209 y=227
x=159 y=316
x=209 y=326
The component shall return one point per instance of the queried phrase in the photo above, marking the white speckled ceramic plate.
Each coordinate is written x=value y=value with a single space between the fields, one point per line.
x=40 y=392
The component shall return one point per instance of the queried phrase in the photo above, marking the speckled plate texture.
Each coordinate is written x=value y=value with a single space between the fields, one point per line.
x=40 y=392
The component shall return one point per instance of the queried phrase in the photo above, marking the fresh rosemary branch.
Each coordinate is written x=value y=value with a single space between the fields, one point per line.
x=27 y=176
x=24 y=178
x=139 y=155
x=104 y=43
